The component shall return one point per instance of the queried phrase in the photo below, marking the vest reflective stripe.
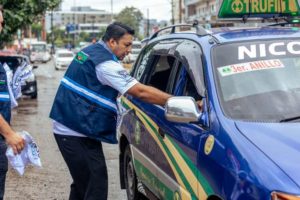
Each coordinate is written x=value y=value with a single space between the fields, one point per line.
x=92 y=96
x=4 y=96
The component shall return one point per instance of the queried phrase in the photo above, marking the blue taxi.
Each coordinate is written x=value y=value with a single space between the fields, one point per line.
x=244 y=142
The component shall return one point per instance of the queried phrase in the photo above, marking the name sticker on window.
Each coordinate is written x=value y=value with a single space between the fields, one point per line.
x=250 y=66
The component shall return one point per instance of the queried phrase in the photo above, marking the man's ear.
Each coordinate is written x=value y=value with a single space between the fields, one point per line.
x=112 y=43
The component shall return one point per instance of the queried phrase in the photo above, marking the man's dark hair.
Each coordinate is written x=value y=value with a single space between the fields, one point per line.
x=116 y=30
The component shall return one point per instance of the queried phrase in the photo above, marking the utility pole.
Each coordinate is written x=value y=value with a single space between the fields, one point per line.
x=52 y=34
x=180 y=10
x=148 y=23
x=93 y=33
x=172 y=4
x=74 y=23
x=112 y=13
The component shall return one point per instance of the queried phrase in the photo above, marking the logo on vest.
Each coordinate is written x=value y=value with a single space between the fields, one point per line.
x=81 y=57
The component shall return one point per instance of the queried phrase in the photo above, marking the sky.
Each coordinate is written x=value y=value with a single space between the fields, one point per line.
x=158 y=9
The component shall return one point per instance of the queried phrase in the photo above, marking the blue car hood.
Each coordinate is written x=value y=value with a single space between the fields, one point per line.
x=279 y=141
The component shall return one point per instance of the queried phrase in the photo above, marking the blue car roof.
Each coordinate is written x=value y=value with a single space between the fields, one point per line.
x=238 y=34
x=226 y=34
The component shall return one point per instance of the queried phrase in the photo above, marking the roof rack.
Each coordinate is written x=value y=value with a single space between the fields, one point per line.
x=287 y=21
x=199 y=29
x=245 y=19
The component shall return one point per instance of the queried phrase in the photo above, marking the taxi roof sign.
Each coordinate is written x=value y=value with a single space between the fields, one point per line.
x=258 y=8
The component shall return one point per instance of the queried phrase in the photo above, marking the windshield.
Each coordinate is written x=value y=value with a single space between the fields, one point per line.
x=259 y=80
x=11 y=61
x=39 y=47
x=136 y=46
x=65 y=55
x=135 y=51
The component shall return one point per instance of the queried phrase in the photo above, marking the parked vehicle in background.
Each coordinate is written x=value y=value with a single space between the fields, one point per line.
x=14 y=61
x=62 y=58
x=39 y=52
x=136 y=49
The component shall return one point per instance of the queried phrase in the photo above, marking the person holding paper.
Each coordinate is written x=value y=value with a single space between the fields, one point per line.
x=7 y=135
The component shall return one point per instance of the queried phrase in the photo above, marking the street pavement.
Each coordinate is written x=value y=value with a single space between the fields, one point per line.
x=52 y=181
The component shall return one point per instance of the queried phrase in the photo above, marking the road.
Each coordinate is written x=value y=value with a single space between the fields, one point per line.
x=51 y=182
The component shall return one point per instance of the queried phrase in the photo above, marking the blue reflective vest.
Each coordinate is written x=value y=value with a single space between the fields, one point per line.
x=82 y=103
x=4 y=96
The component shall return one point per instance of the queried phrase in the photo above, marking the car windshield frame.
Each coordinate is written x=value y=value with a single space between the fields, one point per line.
x=70 y=55
x=18 y=60
x=269 y=102
x=39 y=48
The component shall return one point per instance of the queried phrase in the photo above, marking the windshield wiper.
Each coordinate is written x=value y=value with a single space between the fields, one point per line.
x=289 y=119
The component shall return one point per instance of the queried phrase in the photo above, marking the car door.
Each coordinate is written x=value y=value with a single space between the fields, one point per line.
x=178 y=173
x=154 y=67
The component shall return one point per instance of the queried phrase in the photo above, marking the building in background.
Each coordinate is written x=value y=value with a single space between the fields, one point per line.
x=178 y=11
x=205 y=11
x=79 y=19
x=148 y=27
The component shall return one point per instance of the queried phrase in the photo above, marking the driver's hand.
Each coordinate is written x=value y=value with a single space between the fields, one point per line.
x=200 y=104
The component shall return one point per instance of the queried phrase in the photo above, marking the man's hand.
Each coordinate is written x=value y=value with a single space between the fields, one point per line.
x=16 y=142
x=11 y=137
x=200 y=105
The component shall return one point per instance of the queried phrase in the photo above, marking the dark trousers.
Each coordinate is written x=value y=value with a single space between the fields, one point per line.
x=3 y=166
x=85 y=160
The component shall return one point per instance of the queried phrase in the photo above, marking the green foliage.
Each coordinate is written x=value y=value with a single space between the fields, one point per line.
x=130 y=16
x=21 y=13
x=36 y=29
x=84 y=37
x=58 y=34
x=59 y=42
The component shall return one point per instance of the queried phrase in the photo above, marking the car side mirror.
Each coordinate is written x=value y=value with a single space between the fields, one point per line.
x=182 y=109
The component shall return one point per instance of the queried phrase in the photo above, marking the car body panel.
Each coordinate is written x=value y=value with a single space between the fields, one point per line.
x=282 y=147
x=167 y=153
x=228 y=158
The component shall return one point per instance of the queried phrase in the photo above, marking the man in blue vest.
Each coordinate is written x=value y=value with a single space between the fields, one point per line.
x=84 y=109
x=7 y=135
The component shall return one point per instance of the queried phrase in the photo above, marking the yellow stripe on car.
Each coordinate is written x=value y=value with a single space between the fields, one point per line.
x=152 y=128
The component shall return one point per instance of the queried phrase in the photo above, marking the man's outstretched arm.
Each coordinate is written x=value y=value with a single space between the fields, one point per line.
x=149 y=94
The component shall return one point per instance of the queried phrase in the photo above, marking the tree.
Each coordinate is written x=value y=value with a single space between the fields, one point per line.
x=36 y=29
x=130 y=16
x=20 y=13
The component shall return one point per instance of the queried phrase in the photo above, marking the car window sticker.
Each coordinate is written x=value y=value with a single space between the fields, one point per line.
x=250 y=66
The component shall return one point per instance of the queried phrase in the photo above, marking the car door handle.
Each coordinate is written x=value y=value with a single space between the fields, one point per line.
x=161 y=133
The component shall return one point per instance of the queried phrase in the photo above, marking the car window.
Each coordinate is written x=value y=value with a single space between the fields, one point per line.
x=65 y=55
x=189 y=54
x=136 y=46
x=12 y=62
x=184 y=86
x=161 y=72
x=255 y=82
x=142 y=67
x=141 y=64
